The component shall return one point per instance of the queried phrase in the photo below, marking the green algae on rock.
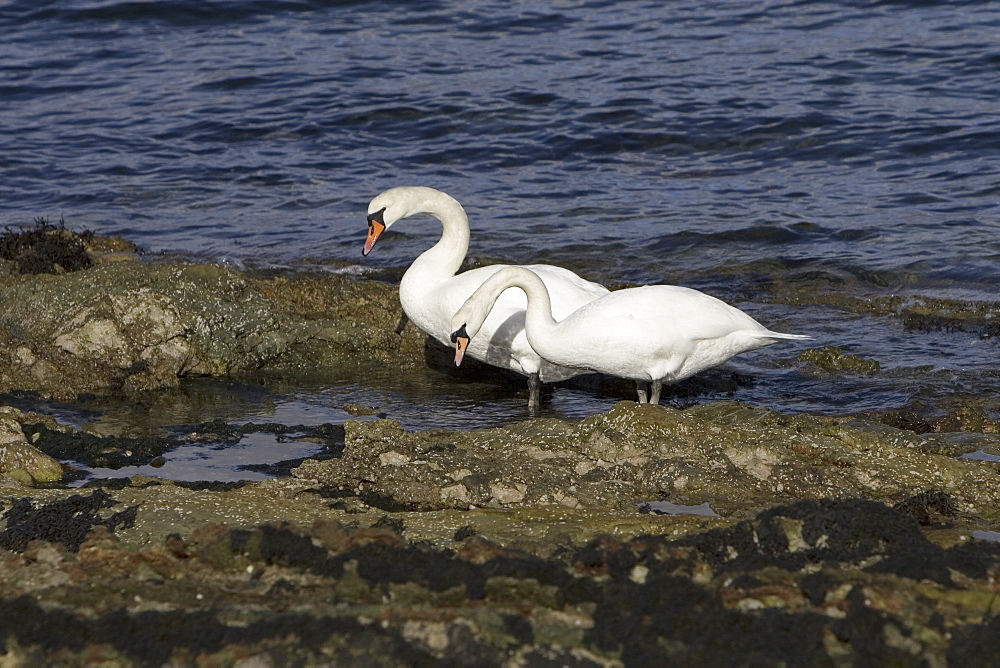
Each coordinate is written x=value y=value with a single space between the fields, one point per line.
x=728 y=454
x=17 y=454
x=832 y=359
x=128 y=326
x=80 y=314
x=865 y=293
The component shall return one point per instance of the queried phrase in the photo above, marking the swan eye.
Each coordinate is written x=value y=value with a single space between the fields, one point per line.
x=377 y=217
x=459 y=333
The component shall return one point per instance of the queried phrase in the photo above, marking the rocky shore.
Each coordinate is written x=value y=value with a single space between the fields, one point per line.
x=819 y=540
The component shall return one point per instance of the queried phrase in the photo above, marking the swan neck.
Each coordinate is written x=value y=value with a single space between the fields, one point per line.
x=538 y=319
x=444 y=259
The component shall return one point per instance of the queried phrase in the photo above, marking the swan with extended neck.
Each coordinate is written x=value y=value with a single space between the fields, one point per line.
x=430 y=291
x=652 y=334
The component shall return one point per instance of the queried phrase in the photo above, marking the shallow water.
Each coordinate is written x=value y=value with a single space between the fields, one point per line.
x=720 y=145
x=667 y=508
x=250 y=459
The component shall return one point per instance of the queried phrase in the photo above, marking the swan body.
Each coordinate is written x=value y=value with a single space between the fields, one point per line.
x=430 y=291
x=651 y=334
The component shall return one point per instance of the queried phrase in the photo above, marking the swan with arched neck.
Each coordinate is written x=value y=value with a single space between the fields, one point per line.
x=431 y=290
x=652 y=334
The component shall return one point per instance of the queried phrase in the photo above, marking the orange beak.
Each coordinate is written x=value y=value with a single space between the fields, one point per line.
x=461 y=343
x=461 y=340
x=375 y=230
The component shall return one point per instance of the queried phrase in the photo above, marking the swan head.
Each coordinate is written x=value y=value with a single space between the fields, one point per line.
x=405 y=201
x=386 y=209
x=460 y=338
x=466 y=324
x=376 y=226
x=469 y=319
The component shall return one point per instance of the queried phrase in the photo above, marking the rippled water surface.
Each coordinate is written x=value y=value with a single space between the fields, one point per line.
x=703 y=143
x=861 y=133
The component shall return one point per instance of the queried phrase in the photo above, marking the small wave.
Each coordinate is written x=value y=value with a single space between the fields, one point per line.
x=171 y=12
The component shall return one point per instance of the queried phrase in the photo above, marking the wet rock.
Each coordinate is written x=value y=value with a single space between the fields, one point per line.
x=868 y=296
x=95 y=451
x=730 y=455
x=811 y=583
x=929 y=313
x=124 y=326
x=928 y=507
x=17 y=454
x=948 y=422
x=835 y=360
x=966 y=419
x=358 y=410
x=20 y=476
x=976 y=644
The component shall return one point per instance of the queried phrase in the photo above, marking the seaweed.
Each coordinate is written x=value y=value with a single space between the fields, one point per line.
x=66 y=522
x=45 y=248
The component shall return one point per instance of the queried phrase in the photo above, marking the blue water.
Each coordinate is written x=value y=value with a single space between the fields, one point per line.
x=858 y=133
x=688 y=142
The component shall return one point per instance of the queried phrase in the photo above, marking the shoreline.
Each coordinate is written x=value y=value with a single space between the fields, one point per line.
x=513 y=544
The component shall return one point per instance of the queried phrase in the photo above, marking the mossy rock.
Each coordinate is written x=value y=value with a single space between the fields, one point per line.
x=835 y=360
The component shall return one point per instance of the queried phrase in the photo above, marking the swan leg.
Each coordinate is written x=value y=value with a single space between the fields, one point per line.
x=401 y=325
x=534 y=393
x=657 y=386
x=640 y=386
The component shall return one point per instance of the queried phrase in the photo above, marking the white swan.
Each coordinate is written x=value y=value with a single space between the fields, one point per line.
x=656 y=333
x=430 y=292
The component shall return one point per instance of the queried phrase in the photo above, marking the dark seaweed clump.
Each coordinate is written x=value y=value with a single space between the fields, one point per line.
x=45 y=248
x=66 y=522
x=151 y=637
